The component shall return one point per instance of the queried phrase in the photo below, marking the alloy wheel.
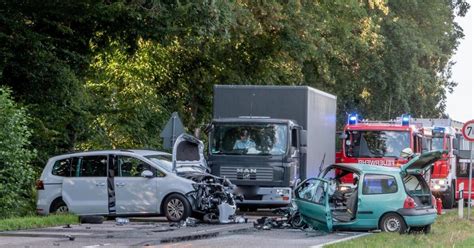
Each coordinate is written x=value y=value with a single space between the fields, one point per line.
x=175 y=209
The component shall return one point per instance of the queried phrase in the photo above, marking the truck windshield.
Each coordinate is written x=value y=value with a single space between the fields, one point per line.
x=255 y=139
x=437 y=143
x=376 y=144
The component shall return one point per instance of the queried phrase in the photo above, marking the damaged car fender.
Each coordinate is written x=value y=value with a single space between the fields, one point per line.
x=212 y=197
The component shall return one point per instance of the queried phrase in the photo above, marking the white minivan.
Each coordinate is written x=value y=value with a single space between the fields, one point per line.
x=134 y=183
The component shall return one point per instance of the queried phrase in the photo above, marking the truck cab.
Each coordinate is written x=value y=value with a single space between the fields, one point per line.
x=443 y=172
x=260 y=155
x=380 y=142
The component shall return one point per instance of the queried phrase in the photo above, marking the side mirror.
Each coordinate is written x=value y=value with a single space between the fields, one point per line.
x=303 y=138
x=293 y=152
x=147 y=174
x=343 y=136
x=455 y=144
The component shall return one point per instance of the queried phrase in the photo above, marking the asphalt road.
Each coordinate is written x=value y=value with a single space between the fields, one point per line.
x=156 y=232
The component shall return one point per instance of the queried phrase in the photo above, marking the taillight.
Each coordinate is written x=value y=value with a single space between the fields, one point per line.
x=409 y=203
x=39 y=185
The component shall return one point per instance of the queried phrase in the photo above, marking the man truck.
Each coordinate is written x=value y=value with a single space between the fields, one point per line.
x=265 y=139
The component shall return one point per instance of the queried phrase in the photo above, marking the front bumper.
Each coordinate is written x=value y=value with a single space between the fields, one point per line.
x=439 y=185
x=418 y=217
x=268 y=197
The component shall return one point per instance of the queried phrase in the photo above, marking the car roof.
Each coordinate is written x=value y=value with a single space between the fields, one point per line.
x=365 y=168
x=141 y=152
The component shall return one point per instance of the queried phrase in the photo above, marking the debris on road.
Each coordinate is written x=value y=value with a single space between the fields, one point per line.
x=91 y=219
x=121 y=221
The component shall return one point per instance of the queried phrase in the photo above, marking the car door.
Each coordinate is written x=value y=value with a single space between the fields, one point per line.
x=312 y=199
x=135 y=194
x=85 y=192
x=421 y=163
x=379 y=194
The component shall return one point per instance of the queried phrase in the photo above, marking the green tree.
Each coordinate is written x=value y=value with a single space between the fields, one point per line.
x=16 y=173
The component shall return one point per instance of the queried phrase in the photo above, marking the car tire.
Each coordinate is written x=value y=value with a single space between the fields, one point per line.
x=59 y=207
x=427 y=229
x=297 y=221
x=393 y=223
x=176 y=208
x=91 y=219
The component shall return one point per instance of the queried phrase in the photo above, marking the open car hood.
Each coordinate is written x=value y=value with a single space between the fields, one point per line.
x=421 y=163
x=188 y=154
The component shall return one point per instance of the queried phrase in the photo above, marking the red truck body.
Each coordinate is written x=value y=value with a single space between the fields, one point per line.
x=379 y=143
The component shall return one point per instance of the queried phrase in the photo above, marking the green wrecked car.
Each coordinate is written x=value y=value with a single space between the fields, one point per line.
x=393 y=199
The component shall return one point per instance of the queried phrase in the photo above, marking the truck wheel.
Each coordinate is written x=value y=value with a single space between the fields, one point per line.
x=176 y=208
x=448 y=198
x=393 y=223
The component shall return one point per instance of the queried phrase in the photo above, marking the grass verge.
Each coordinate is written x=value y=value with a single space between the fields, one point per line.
x=30 y=222
x=447 y=231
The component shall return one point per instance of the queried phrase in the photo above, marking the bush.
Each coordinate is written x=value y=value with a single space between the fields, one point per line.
x=16 y=173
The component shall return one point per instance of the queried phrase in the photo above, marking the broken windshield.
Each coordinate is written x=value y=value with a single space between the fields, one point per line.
x=376 y=144
x=255 y=139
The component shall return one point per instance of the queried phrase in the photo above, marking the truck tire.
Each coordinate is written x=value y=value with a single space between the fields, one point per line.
x=448 y=198
x=393 y=223
x=176 y=208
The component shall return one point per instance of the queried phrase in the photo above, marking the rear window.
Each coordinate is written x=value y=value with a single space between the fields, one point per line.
x=90 y=166
x=62 y=168
x=379 y=184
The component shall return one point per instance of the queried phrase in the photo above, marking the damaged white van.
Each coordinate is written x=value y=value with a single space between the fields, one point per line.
x=136 y=183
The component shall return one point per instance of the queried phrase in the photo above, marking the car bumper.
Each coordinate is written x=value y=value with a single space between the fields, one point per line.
x=42 y=208
x=418 y=217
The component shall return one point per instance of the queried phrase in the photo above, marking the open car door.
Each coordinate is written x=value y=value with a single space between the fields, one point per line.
x=420 y=163
x=188 y=154
x=312 y=199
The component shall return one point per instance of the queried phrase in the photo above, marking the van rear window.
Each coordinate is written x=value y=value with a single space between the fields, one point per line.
x=62 y=168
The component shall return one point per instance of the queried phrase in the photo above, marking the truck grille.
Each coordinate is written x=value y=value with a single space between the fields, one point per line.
x=247 y=173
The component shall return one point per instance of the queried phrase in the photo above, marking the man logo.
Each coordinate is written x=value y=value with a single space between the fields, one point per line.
x=246 y=173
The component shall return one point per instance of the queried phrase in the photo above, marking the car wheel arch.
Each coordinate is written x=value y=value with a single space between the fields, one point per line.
x=387 y=213
x=56 y=201
x=162 y=204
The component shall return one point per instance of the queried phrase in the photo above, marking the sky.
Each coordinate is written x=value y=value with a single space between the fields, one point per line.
x=460 y=104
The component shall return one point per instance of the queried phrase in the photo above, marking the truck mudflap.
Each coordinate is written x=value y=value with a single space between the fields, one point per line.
x=268 y=197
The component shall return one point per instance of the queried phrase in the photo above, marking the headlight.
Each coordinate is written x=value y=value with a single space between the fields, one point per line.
x=343 y=188
x=436 y=187
x=282 y=191
x=442 y=182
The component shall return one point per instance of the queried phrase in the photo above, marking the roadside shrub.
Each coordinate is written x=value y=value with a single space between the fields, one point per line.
x=16 y=173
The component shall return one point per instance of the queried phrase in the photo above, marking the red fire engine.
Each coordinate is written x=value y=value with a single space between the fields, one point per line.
x=447 y=173
x=380 y=143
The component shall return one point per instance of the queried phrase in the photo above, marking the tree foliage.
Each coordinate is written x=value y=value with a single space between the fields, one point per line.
x=16 y=174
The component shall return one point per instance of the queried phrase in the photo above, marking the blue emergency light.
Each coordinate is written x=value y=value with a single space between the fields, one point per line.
x=353 y=119
x=405 y=120
x=438 y=129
